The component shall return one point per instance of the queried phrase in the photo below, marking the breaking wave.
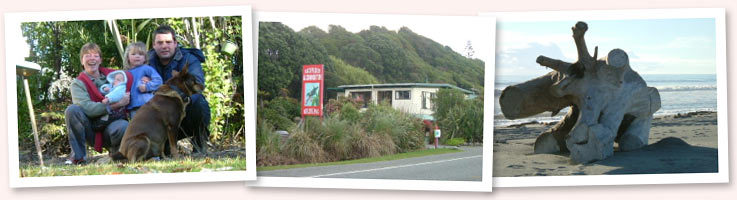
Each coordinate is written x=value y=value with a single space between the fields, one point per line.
x=685 y=88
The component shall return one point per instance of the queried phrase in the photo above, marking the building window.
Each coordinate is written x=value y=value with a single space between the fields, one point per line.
x=402 y=95
x=426 y=99
x=384 y=97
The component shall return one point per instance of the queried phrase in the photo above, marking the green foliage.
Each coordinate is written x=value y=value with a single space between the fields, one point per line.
x=341 y=73
x=455 y=141
x=366 y=145
x=405 y=130
x=336 y=138
x=446 y=99
x=303 y=147
x=472 y=126
x=346 y=134
x=335 y=106
x=55 y=123
x=395 y=56
x=463 y=72
x=349 y=113
x=267 y=142
x=279 y=112
x=51 y=128
x=281 y=54
x=459 y=117
x=25 y=132
x=55 y=47
x=220 y=87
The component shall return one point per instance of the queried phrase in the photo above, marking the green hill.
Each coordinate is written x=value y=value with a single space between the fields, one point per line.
x=375 y=55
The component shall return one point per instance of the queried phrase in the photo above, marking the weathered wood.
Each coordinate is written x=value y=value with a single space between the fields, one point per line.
x=602 y=94
x=531 y=97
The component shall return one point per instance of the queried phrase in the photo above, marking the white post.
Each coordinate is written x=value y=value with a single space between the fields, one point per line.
x=33 y=120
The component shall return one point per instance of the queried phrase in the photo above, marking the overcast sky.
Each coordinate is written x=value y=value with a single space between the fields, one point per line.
x=654 y=46
x=452 y=31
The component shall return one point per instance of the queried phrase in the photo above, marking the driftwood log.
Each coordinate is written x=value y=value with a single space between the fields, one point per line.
x=609 y=103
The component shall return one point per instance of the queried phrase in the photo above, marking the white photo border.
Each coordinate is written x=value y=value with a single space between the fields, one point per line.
x=722 y=176
x=13 y=31
x=485 y=185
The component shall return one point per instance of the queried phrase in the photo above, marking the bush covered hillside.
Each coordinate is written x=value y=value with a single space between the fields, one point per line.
x=376 y=55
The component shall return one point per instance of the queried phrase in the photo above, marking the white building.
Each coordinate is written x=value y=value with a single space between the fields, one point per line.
x=412 y=98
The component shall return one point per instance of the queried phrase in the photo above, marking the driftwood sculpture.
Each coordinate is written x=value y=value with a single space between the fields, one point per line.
x=609 y=103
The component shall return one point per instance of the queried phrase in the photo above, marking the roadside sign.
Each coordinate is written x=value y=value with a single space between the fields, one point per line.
x=312 y=90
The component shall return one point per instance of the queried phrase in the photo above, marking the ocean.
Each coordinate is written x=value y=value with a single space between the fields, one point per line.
x=679 y=93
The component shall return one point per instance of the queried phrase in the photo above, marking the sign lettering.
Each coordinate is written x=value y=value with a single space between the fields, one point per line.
x=312 y=90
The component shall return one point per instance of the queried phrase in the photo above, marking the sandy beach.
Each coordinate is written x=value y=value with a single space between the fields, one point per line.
x=683 y=143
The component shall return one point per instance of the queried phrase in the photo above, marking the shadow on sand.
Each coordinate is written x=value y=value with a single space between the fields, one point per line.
x=669 y=155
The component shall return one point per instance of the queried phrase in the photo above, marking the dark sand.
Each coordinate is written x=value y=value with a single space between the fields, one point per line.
x=685 y=143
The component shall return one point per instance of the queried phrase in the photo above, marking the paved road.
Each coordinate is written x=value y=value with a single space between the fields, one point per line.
x=461 y=166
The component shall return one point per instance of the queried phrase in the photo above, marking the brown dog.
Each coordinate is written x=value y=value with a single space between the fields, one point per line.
x=158 y=120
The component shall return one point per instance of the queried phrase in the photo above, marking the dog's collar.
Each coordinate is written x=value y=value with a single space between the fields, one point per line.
x=182 y=95
x=174 y=92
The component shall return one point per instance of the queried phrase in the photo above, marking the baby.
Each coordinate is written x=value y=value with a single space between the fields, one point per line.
x=115 y=89
x=145 y=78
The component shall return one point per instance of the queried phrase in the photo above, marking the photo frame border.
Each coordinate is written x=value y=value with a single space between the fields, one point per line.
x=13 y=31
x=485 y=185
x=718 y=14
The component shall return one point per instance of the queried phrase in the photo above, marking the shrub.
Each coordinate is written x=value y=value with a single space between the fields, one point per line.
x=52 y=133
x=336 y=138
x=267 y=142
x=459 y=117
x=279 y=112
x=455 y=141
x=344 y=134
x=349 y=113
x=365 y=146
x=303 y=148
x=387 y=145
x=336 y=105
x=51 y=129
x=404 y=130
x=313 y=126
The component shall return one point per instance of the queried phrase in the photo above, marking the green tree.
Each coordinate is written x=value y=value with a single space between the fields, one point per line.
x=342 y=73
x=458 y=116
x=281 y=54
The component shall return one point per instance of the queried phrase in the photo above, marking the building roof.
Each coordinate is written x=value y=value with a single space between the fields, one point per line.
x=404 y=85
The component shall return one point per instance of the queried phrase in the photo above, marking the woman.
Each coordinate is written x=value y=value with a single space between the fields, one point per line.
x=89 y=121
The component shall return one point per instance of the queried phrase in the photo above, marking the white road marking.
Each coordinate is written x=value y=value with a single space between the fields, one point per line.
x=394 y=167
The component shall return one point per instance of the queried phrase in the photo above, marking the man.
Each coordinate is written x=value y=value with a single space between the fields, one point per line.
x=88 y=120
x=169 y=59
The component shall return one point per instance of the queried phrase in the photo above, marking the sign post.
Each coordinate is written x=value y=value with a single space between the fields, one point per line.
x=437 y=135
x=312 y=90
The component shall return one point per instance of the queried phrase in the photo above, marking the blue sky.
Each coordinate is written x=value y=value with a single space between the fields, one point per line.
x=654 y=46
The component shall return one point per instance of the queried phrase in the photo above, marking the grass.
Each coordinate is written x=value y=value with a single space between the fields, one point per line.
x=163 y=166
x=413 y=154
x=455 y=141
